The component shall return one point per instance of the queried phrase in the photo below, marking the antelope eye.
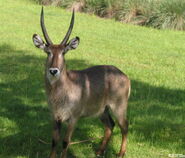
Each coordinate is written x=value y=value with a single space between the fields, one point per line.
x=49 y=54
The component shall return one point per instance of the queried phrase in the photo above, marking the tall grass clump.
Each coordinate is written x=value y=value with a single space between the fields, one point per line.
x=48 y=2
x=102 y=8
x=135 y=11
x=161 y=14
x=169 y=14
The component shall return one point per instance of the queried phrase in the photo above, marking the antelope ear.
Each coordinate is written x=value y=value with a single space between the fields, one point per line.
x=38 y=42
x=73 y=44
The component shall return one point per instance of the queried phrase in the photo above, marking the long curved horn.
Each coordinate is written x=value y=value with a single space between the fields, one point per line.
x=48 y=41
x=69 y=30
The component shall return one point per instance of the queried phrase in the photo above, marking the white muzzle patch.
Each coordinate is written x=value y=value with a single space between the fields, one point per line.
x=53 y=74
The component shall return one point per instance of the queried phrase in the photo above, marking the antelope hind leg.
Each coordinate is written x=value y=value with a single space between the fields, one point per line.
x=109 y=125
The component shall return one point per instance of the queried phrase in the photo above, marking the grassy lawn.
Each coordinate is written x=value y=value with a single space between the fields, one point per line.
x=153 y=59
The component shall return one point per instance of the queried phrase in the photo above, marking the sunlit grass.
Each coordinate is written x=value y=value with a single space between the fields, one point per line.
x=153 y=59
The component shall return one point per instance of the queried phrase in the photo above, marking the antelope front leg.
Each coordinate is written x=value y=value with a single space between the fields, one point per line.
x=55 y=138
x=67 y=137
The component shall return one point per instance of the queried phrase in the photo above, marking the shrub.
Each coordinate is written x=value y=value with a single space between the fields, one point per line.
x=135 y=11
x=169 y=14
x=160 y=14
x=102 y=8
x=48 y=2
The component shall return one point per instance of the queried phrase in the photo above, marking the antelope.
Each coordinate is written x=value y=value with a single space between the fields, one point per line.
x=98 y=91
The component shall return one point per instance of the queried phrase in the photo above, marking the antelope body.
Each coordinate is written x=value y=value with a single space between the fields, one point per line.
x=75 y=94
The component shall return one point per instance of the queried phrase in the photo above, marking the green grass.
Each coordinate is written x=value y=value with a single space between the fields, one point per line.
x=153 y=59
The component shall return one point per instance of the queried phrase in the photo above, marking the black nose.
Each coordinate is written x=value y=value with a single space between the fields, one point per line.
x=53 y=71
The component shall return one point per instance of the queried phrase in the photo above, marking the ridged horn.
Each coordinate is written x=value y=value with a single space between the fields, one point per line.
x=44 y=31
x=66 y=38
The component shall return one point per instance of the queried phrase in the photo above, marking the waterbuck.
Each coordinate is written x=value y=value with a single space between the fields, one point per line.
x=73 y=94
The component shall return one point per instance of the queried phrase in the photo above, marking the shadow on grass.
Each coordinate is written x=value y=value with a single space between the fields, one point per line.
x=155 y=113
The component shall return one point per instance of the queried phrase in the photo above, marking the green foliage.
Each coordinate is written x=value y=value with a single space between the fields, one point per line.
x=135 y=11
x=37 y=1
x=153 y=59
x=168 y=14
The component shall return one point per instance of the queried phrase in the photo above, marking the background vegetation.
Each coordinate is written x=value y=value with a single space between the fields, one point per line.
x=162 y=14
x=153 y=59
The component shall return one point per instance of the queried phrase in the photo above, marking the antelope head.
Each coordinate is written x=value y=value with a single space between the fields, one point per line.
x=55 y=63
